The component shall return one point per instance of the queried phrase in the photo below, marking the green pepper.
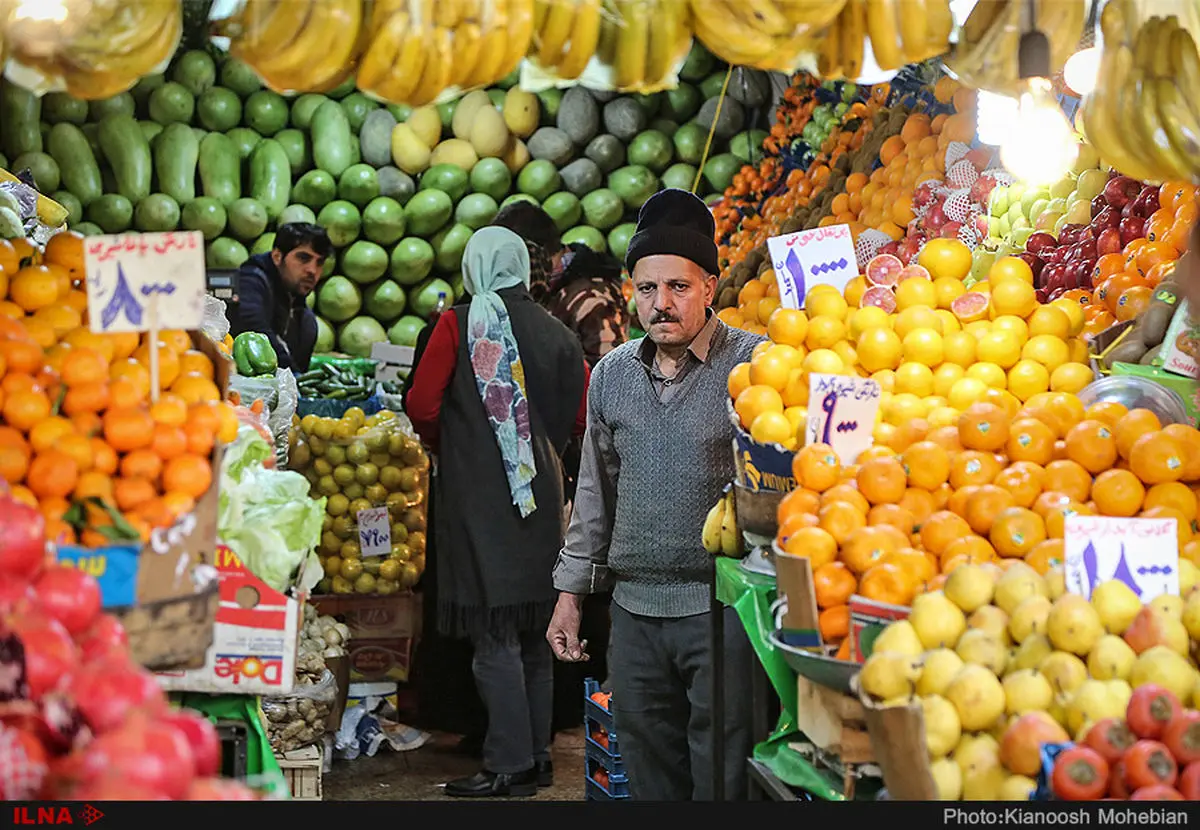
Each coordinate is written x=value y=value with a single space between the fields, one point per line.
x=254 y=354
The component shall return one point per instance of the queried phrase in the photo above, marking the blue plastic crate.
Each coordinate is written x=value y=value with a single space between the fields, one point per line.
x=614 y=746
x=593 y=710
x=618 y=784
x=611 y=761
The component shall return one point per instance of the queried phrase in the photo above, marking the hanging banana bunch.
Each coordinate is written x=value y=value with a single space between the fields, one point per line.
x=641 y=43
x=1137 y=117
x=565 y=35
x=985 y=56
x=419 y=50
x=101 y=48
x=776 y=35
x=906 y=31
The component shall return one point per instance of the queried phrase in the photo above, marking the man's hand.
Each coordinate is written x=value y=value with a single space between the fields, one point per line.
x=563 y=633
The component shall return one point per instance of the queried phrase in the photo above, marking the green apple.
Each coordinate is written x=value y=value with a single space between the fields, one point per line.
x=998 y=201
x=1030 y=196
x=981 y=263
x=1062 y=188
x=1080 y=213
x=1058 y=225
x=1021 y=235
x=1015 y=191
x=1003 y=226
x=1037 y=209
x=993 y=227
x=1057 y=205
x=1088 y=159
x=1047 y=220
x=1090 y=184
x=1015 y=212
x=1019 y=224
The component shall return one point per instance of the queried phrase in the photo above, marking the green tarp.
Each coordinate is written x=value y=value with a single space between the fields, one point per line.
x=262 y=770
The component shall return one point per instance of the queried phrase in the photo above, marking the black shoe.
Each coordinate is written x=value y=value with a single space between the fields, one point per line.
x=545 y=773
x=484 y=784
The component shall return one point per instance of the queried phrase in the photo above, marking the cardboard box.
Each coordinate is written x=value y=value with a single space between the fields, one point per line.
x=760 y=467
x=868 y=618
x=898 y=744
x=393 y=362
x=1181 y=345
x=255 y=638
x=384 y=631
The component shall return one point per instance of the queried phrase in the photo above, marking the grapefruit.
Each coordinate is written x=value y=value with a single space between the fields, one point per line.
x=914 y=271
x=946 y=258
x=878 y=297
x=970 y=307
x=884 y=269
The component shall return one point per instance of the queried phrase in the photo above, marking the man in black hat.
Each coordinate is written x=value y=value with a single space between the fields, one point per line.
x=656 y=456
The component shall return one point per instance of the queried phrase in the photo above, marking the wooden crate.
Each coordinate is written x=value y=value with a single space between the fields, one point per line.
x=302 y=770
x=833 y=722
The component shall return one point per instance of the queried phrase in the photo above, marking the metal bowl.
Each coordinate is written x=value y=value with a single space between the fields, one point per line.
x=1137 y=393
x=822 y=669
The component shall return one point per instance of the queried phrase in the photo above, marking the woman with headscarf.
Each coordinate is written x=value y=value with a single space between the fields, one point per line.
x=501 y=388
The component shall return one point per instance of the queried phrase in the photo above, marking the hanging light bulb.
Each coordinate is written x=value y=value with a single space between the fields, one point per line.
x=42 y=11
x=1081 y=70
x=994 y=116
x=1040 y=146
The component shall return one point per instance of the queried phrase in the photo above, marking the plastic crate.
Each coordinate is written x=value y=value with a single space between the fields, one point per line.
x=618 y=783
x=593 y=710
x=611 y=761
x=235 y=741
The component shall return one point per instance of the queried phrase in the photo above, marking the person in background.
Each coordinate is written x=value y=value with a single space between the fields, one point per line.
x=271 y=291
x=656 y=456
x=528 y=221
x=501 y=387
x=585 y=294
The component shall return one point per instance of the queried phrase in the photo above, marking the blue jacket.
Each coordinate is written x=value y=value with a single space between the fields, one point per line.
x=265 y=305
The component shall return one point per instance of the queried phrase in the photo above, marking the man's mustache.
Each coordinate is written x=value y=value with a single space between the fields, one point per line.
x=663 y=317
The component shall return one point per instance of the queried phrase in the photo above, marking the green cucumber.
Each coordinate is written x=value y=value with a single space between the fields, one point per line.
x=128 y=154
x=176 y=154
x=80 y=173
x=20 y=120
x=331 y=136
x=220 y=169
x=270 y=177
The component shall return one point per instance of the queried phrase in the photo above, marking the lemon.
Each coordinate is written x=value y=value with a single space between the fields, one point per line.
x=770 y=369
x=942 y=416
x=959 y=348
x=1027 y=378
x=886 y=379
x=825 y=301
x=846 y=352
x=917 y=317
x=1071 y=378
x=914 y=378
x=879 y=349
x=1049 y=319
x=945 y=375
x=824 y=331
x=1074 y=311
x=1079 y=350
x=989 y=373
x=934 y=401
x=1005 y=400
x=766 y=307
x=1047 y=350
x=1009 y=322
x=948 y=290
x=771 y=428
x=795 y=393
x=1000 y=347
x=982 y=287
x=1014 y=296
x=904 y=407
x=823 y=362
x=924 y=346
x=760 y=348
x=871 y=317
x=966 y=392
x=949 y=321
x=916 y=291
x=882 y=433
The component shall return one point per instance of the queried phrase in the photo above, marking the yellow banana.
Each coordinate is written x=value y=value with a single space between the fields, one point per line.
x=449 y=13
x=764 y=16
x=343 y=52
x=324 y=47
x=852 y=25
x=811 y=15
x=49 y=212
x=1099 y=121
x=132 y=26
x=468 y=46
x=1179 y=122
x=632 y=44
x=382 y=11
x=662 y=54
x=585 y=34
x=980 y=21
x=494 y=48
x=914 y=28
x=307 y=44
x=1185 y=60
x=710 y=533
x=731 y=540
x=1157 y=143
x=829 y=58
x=437 y=70
x=398 y=86
x=116 y=69
x=726 y=36
x=885 y=37
x=555 y=32
x=383 y=52
x=939 y=27
x=520 y=33
x=268 y=27
x=610 y=28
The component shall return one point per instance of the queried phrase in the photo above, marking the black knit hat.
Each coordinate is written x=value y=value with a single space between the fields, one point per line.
x=675 y=222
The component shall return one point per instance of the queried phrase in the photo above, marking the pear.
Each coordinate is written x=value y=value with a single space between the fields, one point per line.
x=983 y=649
x=1016 y=584
x=937 y=621
x=1169 y=604
x=1120 y=691
x=1189 y=577
x=970 y=586
x=1167 y=668
x=978 y=696
x=1020 y=746
x=985 y=784
x=1056 y=582
x=1074 y=625
x=1017 y=788
x=1111 y=659
x=899 y=637
x=1117 y=605
x=1191 y=614
x=947 y=779
x=888 y=674
x=991 y=619
x=1155 y=626
x=938 y=668
x=1066 y=672
x=1030 y=653
x=1027 y=690
x=1092 y=701
x=976 y=752
x=1029 y=618
x=943 y=730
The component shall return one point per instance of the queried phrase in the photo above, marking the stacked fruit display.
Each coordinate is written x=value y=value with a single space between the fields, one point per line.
x=81 y=721
x=80 y=438
x=1003 y=660
x=357 y=463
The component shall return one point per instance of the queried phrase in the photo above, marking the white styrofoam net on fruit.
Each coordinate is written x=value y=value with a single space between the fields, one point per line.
x=958 y=206
x=1001 y=176
x=867 y=246
x=962 y=174
x=955 y=152
x=968 y=234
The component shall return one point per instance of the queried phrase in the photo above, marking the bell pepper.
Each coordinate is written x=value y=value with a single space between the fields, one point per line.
x=254 y=354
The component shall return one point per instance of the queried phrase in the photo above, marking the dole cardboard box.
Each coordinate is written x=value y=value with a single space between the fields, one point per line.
x=760 y=467
x=384 y=631
x=255 y=638
x=165 y=592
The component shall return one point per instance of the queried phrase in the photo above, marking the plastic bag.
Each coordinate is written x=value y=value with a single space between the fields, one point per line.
x=301 y=718
x=279 y=417
x=216 y=323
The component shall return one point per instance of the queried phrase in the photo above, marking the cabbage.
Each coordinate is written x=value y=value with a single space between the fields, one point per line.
x=266 y=516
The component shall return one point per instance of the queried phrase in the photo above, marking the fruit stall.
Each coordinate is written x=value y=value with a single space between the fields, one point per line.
x=975 y=582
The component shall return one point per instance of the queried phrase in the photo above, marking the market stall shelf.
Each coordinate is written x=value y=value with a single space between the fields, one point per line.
x=302 y=770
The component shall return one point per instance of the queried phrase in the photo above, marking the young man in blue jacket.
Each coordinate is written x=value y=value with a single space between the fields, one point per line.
x=272 y=288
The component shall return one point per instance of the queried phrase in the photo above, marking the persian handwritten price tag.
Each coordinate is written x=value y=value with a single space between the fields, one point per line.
x=132 y=278
x=822 y=256
x=841 y=413
x=1142 y=553
x=374 y=531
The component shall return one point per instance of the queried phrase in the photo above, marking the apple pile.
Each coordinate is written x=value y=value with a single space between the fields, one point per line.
x=1119 y=215
x=1152 y=754
x=79 y=720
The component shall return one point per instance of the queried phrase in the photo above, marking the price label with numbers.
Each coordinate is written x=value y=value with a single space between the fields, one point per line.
x=821 y=256
x=133 y=277
x=841 y=413
x=374 y=531
x=1142 y=553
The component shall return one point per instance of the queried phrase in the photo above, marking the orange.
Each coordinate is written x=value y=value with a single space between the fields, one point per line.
x=985 y=504
x=14 y=463
x=104 y=457
x=126 y=393
x=1092 y=445
x=876 y=451
x=1156 y=458
x=846 y=493
x=888 y=584
x=882 y=481
x=973 y=467
x=739 y=380
x=1049 y=501
x=919 y=502
x=193 y=362
x=957 y=502
x=144 y=464
x=1132 y=426
x=189 y=474
x=83 y=365
x=194 y=388
x=128 y=429
x=816 y=467
x=33 y=287
x=1021 y=484
x=168 y=363
x=947 y=438
x=177 y=340
x=753 y=401
x=942 y=528
x=983 y=426
x=178 y=503
x=918 y=567
x=972 y=548
x=834 y=624
x=200 y=438
x=23 y=356
x=1188 y=438
x=24 y=409
x=1046 y=555
x=87 y=397
x=1183 y=527
x=1068 y=477
x=1118 y=493
x=894 y=515
x=130 y=493
x=10 y=260
x=65 y=249
x=840 y=519
x=813 y=542
x=45 y=434
x=52 y=473
x=797 y=502
x=1174 y=495
x=867 y=544
x=80 y=450
x=1055 y=519
x=833 y=585
x=1016 y=531
x=170 y=409
x=94 y=484
x=786 y=530
x=1191 y=551
x=926 y=464
x=169 y=441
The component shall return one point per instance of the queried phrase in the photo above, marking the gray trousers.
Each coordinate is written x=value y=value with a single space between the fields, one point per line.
x=515 y=677
x=661 y=673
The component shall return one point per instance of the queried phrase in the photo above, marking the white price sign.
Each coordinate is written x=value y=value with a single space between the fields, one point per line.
x=374 y=531
x=822 y=256
x=841 y=413
x=136 y=280
x=1142 y=553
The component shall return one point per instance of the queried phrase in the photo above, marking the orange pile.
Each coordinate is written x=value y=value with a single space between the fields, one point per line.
x=995 y=488
x=76 y=419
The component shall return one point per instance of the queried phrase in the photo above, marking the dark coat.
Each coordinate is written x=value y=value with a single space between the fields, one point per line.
x=265 y=305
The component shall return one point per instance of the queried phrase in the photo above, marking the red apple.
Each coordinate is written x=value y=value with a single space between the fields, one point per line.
x=1109 y=242
x=1131 y=228
x=935 y=217
x=1040 y=241
x=950 y=230
x=1121 y=190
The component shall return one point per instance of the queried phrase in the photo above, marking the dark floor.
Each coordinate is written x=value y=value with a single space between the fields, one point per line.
x=417 y=775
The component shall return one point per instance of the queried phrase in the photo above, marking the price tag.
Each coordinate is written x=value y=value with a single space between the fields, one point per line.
x=841 y=413
x=134 y=280
x=822 y=256
x=1142 y=553
x=374 y=531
